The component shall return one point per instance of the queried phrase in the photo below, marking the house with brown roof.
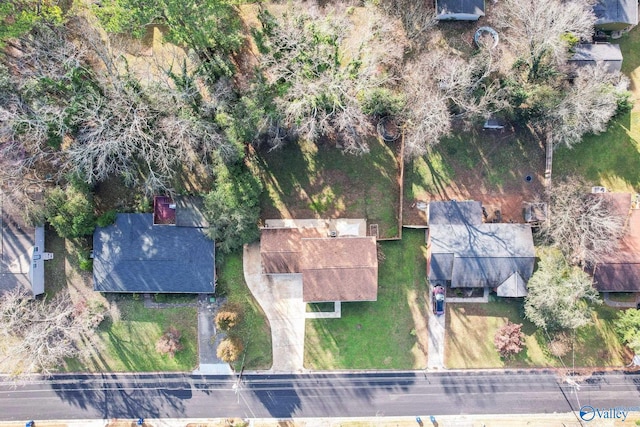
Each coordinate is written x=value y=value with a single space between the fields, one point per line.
x=336 y=260
x=620 y=270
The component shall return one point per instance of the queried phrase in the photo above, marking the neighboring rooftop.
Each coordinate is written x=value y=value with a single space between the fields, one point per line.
x=594 y=53
x=616 y=15
x=620 y=270
x=459 y=10
x=133 y=255
x=21 y=251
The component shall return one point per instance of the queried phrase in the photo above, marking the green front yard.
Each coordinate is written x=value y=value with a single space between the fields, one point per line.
x=471 y=328
x=304 y=180
x=254 y=328
x=389 y=333
x=127 y=343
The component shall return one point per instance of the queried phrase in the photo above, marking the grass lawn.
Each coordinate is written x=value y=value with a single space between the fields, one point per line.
x=489 y=166
x=304 y=180
x=254 y=328
x=471 y=328
x=612 y=158
x=127 y=343
x=389 y=333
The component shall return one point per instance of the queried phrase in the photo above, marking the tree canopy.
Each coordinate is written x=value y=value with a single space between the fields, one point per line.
x=233 y=208
x=559 y=294
x=628 y=327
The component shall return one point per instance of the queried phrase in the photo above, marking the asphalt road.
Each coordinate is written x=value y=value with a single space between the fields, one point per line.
x=314 y=395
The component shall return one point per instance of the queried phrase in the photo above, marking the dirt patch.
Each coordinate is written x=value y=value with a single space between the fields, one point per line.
x=500 y=169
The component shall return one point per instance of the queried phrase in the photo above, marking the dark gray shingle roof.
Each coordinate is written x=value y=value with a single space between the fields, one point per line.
x=614 y=11
x=133 y=255
x=591 y=54
x=474 y=7
x=190 y=212
x=453 y=212
x=469 y=253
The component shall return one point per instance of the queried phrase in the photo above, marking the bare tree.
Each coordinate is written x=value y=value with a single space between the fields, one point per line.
x=47 y=331
x=169 y=342
x=540 y=31
x=589 y=103
x=584 y=226
x=439 y=86
x=320 y=94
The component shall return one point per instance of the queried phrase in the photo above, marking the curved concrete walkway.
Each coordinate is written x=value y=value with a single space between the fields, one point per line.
x=280 y=296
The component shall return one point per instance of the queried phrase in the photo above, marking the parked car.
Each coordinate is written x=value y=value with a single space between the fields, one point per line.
x=438 y=300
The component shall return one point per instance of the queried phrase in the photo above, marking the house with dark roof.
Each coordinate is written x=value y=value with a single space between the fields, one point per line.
x=459 y=10
x=620 y=270
x=22 y=252
x=134 y=255
x=594 y=53
x=465 y=252
x=335 y=259
x=615 y=15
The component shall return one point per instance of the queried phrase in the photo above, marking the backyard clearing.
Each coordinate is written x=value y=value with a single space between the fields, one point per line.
x=390 y=333
x=471 y=328
x=501 y=169
x=611 y=159
x=304 y=180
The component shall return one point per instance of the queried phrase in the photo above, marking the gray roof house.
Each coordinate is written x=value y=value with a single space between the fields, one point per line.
x=592 y=54
x=464 y=252
x=135 y=256
x=22 y=252
x=615 y=15
x=459 y=10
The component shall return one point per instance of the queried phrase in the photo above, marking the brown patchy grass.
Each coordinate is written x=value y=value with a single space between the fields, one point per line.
x=471 y=328
x=304 y=180
x=488 y=166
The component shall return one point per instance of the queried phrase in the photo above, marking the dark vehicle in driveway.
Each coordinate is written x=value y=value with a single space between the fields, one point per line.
x=438 y=300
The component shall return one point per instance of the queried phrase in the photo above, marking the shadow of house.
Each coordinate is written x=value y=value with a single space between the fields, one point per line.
x=592 y=54
x=616 y=15
x=136 y=255
x=619 y=271
x=459 y=10
x=463 y=252
x=336 y=259
x=22 y=251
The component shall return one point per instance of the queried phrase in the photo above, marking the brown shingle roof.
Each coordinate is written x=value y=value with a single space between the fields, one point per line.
x=620 y=270
x=333 y=268
x=339 y=269
x=280 y=250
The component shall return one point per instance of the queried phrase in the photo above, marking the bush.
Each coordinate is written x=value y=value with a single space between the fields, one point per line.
x=107 y=218
x=381 y=102
x=509 y=339
x=230 y=349
x=228 y=317
x=169 y=342
x=70 y=211
x=85 y=263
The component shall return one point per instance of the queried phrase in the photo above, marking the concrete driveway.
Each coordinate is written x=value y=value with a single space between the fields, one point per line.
x=280 y=296
x=436 y=328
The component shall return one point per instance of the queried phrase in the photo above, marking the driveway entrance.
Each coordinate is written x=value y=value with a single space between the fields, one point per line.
x=280 y=296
